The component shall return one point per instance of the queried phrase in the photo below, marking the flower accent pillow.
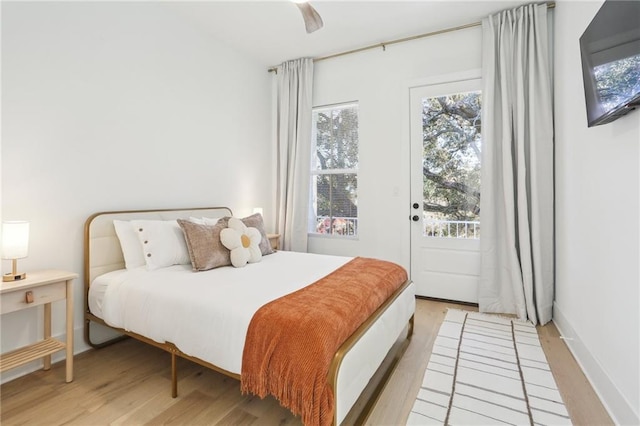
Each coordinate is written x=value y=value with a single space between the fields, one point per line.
x=243 y=242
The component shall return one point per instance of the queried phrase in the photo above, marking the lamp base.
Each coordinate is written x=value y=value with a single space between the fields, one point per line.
x=14 y=277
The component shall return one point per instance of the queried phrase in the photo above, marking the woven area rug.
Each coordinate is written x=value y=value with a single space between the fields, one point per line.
x=487 y=370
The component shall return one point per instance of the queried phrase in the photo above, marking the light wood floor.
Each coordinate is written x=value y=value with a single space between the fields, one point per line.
x=129 y=383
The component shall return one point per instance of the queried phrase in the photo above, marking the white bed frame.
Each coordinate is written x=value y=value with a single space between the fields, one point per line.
x=356 y=368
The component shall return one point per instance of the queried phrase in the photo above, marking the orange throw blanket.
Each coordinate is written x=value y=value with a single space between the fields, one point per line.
x=291 y=341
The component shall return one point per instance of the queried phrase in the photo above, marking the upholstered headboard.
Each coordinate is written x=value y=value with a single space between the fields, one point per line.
x=102 y=252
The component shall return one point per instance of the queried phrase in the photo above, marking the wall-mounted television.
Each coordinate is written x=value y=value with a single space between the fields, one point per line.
x=610 y=51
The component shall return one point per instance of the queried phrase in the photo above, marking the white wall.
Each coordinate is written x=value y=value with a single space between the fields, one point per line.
x=379 y=81
x=111 y=105
x=596 y=176
x=597 y=233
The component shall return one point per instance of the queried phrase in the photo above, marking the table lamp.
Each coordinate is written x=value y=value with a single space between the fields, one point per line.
x=15 y=245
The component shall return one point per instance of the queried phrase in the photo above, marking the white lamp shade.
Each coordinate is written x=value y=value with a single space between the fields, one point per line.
x=15 y=239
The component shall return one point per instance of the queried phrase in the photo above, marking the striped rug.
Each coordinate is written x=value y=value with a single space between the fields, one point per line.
x=487 y=370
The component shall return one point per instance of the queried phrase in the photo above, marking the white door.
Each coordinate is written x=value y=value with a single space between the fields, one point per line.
x=445 y=189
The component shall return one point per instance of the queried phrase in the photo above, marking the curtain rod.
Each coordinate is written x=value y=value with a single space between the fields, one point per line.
x=384 y=44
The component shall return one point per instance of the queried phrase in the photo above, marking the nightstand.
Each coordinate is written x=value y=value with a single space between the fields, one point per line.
x=40 y=288
x=274 y=239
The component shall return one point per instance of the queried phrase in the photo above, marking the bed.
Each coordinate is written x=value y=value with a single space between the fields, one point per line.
x=214 y=319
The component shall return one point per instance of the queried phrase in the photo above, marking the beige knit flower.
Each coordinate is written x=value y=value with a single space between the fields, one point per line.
x=243 y=242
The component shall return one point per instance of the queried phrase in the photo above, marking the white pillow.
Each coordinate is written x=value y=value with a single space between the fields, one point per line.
x=210 y=221
x=196 y=220
x=204 y=220
x=130 y=244
x=163 y=243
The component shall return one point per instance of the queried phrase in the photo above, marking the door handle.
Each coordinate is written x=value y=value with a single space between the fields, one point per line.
x=415 y=218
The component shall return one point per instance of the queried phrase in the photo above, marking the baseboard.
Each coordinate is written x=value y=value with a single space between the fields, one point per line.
x=79 y=346
x=618 y=407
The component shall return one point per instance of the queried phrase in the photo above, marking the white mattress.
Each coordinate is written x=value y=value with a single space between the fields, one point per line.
x=176 y=304
x=99 y=287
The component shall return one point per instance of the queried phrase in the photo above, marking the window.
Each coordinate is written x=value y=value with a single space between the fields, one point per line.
x=334 y=171
x=451 y=129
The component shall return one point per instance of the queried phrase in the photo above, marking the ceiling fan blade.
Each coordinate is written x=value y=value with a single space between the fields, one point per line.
x=312 y=20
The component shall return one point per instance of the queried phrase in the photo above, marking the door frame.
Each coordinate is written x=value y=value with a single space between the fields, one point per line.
x=452 y=78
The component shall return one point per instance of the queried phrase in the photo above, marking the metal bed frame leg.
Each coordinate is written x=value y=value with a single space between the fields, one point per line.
x=174 y=376
x=411 y=325
x=173 y=351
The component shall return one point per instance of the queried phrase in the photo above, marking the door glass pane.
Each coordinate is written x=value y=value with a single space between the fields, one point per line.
x=451 y=165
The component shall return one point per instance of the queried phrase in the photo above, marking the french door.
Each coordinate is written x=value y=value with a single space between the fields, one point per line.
x=445 y=189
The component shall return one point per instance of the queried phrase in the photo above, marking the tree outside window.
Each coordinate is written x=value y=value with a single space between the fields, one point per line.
x=451 y=165
x=334 y=171
x=618 y=81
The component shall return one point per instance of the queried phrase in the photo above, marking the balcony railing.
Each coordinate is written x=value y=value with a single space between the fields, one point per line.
x=342 y=225
x=337 y=225
x=452 y=228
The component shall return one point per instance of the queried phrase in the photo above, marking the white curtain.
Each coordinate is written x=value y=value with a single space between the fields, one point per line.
x=293 y=141
x=517 y=273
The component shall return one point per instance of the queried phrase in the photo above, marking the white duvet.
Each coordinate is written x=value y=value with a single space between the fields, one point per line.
x=205 y=314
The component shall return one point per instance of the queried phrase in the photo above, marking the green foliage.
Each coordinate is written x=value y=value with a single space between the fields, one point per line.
x=337 y=138
x=337 y=195
x=451 y=161
x=618 y=81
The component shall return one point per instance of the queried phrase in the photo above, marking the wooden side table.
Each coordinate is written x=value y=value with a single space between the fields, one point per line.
x=274 y=240
x=40 y=288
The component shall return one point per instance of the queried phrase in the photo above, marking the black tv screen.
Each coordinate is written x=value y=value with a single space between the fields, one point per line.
x=610 y=51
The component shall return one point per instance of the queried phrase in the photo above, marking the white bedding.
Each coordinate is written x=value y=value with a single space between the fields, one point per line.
x=174 y=304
